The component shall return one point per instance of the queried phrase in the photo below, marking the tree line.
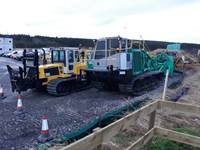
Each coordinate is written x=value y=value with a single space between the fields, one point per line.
x=27 y=41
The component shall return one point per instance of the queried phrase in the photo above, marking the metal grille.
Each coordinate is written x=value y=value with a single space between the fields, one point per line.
x=137 y=66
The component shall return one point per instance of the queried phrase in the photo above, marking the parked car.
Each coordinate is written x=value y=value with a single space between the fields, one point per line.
x=10 y=53
x=5 y=53
x=19 y=56
x=13 y=55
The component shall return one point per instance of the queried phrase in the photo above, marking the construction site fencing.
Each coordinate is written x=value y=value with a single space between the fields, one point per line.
x=102 y=135
x=101 y=122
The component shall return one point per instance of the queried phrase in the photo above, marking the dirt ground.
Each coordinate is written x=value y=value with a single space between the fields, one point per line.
x=165 y=118
x=72 y=112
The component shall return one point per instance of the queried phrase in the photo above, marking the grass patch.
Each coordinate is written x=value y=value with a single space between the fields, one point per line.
x=124 y=139
x=188 y=131
x=165 y=144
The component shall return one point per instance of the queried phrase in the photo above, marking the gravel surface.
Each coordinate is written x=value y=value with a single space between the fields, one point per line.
x=68 y=113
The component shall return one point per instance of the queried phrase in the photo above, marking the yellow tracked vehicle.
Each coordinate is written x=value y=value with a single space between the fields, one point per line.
x=61 y=77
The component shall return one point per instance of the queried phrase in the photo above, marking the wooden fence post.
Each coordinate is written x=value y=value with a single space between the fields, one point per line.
x=165 y=85
x=99 y=147
x=151 y=125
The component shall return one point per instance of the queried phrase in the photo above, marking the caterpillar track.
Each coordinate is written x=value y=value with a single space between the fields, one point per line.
x=139 y=85
x=61 y=87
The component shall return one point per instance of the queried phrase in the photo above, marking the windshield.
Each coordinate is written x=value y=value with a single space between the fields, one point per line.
x=110 y=46
x=100 y=50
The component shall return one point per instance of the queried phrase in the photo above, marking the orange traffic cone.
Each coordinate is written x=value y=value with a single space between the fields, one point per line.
x=2 y=95
x=44 y=136
x=20 y=109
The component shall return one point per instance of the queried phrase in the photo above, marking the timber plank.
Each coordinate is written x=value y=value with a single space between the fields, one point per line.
x=178 y=137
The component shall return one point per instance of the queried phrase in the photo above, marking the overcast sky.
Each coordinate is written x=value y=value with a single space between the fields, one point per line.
x=164 y=20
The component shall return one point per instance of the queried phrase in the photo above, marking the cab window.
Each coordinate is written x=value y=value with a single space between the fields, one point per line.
x=100 y=50
x=76 y=56
x=55 y=55
x=62 y=56
x=70 y=56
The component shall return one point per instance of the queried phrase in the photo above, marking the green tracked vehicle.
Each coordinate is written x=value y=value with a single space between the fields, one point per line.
x=116 y=65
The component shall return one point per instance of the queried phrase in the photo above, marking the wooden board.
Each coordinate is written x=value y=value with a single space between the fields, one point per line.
x=143 y=140
x=185 y=108
x=178 y=137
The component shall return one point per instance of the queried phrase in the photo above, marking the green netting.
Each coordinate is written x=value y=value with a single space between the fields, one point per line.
x=100 y=122
x=164 y=62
